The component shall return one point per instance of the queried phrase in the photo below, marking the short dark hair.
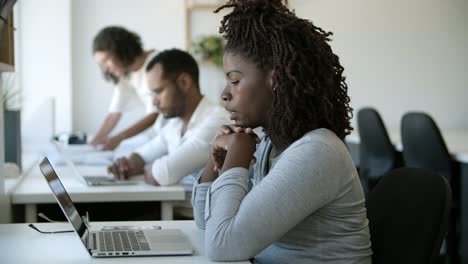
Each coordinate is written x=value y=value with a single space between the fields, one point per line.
x=124 y=45
x=174 y=62
x=310 y=91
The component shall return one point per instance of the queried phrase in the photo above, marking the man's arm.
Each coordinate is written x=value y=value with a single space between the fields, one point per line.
x=140 y=161
x=107 y=126
x=192 y=155
x=136 y=128
x=149 y=179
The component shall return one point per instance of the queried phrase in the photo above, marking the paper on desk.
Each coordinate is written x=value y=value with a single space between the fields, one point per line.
x=94 y=171
x=97 y=158
x=78 y=148
x=87 y=155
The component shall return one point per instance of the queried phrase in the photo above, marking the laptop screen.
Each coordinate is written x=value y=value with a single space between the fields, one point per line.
x=64 y=199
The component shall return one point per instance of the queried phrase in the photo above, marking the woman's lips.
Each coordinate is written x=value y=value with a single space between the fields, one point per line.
x=233 y=115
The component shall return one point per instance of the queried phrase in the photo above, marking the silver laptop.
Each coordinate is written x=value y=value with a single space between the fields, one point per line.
x=132 y=241
x=92 y=179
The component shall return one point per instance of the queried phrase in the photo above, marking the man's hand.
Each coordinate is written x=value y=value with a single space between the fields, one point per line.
x=123 y=167
x=98 y=141
x=111 y=143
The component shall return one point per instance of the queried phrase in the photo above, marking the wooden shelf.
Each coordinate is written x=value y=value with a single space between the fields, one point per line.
x=6 y=67
x=7 y=42
x=197 y=5
x=193 y=6
x=203 y=6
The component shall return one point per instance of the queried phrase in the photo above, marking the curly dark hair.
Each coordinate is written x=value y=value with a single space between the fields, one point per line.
x=122 y=44
x=309 y=91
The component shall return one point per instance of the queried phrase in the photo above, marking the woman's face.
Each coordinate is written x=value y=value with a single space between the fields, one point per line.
x=248 y=93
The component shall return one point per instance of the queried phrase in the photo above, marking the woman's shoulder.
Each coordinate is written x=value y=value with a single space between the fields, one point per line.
x=320 y=147
x=321 y=138
x=316 y=142
x=321 y=154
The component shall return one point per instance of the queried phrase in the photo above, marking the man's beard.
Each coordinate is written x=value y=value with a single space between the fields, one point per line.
x=179 y=108
x=111 y=77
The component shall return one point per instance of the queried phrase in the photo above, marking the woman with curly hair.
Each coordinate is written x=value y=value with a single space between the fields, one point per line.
x=119 y=52
x=294 y=196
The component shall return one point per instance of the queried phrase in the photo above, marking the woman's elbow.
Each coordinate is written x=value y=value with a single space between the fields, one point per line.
x=215 y=253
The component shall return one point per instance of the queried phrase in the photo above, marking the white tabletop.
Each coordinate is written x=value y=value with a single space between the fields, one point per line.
x=34 y=189
x=456 y=140
x=31 y=188
x=21 y=244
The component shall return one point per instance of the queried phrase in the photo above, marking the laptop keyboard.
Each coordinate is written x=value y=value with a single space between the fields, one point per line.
x=123 y=241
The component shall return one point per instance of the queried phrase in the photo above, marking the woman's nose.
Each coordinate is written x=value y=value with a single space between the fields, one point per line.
x=226 y=94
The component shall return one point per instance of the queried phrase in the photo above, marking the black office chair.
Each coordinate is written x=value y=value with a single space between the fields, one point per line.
x=424 y=147
x=408 y=214
x=377 y=155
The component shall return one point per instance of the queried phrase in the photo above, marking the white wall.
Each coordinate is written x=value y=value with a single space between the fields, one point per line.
x=159 y=23
x=203 y=22
x=400 y=55
x=44 y=64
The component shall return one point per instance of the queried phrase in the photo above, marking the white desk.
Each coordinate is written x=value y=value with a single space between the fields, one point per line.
x=456 y=140
x=33 y=190
x=21 y=244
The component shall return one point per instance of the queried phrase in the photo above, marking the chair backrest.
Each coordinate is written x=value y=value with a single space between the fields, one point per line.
x=423 y=144
x=408 y=214
x=377 y=154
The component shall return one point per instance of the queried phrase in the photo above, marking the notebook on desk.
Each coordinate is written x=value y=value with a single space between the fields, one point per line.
x=92 y=179
x=116 y=243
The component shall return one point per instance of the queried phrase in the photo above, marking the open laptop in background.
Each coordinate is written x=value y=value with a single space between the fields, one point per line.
x=96 y=178
x=118 y=243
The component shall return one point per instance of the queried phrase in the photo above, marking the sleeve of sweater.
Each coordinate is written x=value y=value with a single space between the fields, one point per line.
x=199 y=200
x=239 y=224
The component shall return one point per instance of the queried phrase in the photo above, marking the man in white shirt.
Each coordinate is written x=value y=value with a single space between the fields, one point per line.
x=120 y=54
x=182 y=146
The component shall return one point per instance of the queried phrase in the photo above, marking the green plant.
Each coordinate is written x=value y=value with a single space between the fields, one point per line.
x=210 y=48
x=11 y=97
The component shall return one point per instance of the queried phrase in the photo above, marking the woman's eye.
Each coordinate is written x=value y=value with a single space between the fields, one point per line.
x=235 y=82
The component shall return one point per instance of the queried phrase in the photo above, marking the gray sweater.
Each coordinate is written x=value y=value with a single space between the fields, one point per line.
x=304 y=205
